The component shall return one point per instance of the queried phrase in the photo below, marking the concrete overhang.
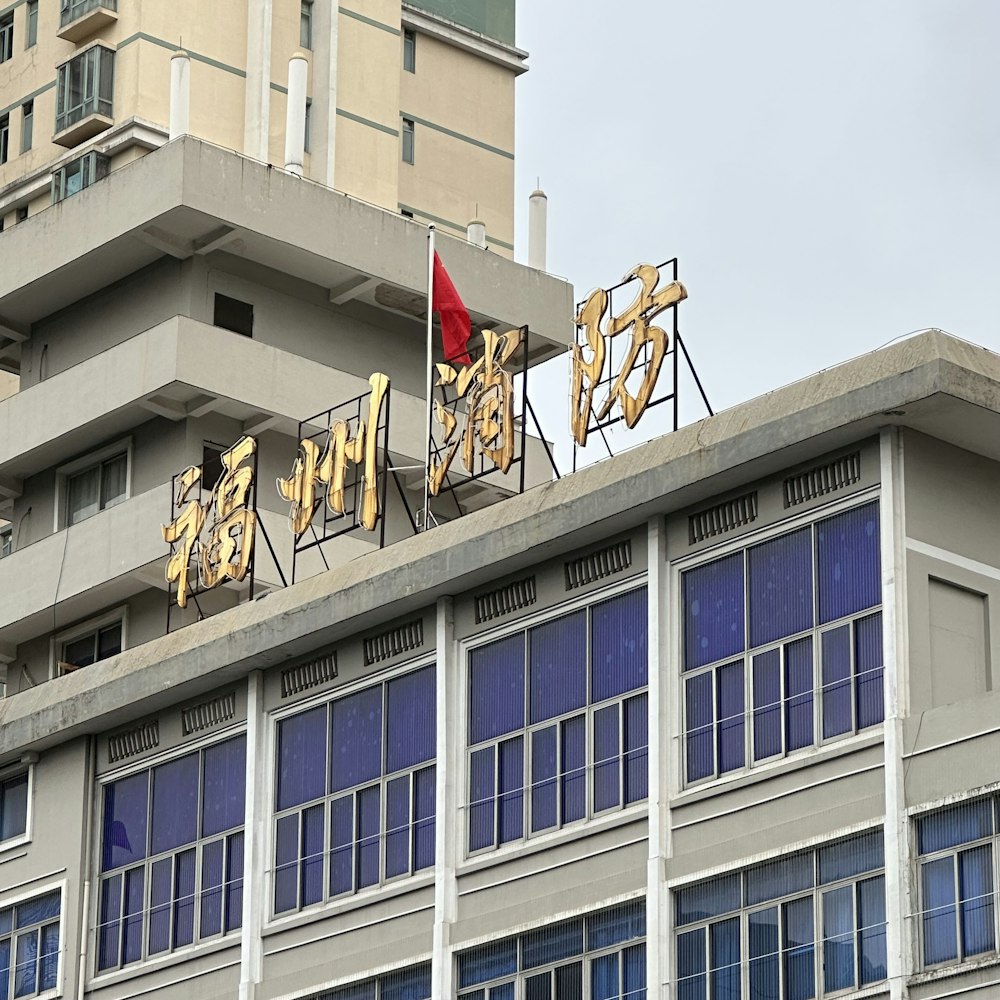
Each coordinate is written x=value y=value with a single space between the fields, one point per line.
x=190 y=197
x=933 y=383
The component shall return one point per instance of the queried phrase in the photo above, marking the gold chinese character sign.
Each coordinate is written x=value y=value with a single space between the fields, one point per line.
x=647 y=347
x=213 y=541
x=487 y=388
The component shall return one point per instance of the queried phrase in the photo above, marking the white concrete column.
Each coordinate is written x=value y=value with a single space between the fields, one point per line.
x=900 y=929
x=658 y=923
x=326 y=40
x=295 y=116
x=257 y=107
x=476 y=233
x=538 y=210
x=255 y=864
x=449 y=826
x=180 y=94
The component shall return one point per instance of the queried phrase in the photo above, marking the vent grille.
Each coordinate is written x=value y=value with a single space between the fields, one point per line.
x=135 y=741
x=598 y=565
x=295 y=680
x=208 y=714
x=823 y=479
x=397 y=640
x=513 y=597
x=723 y=517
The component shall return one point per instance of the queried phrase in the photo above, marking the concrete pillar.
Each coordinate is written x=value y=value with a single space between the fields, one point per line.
x=538 y=209
x=257 y=110
x=180 y=94
x=295 y=120
x=476 y=233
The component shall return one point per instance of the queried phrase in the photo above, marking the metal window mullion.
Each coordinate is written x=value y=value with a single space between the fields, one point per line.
x=853 y=675
x=525 y=749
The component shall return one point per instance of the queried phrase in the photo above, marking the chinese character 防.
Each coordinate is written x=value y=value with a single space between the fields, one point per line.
x=226 y=550
x=587 y=375
x=488 y=390
x=312 y=470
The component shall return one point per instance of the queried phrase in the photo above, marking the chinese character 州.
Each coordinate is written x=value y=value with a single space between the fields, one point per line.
x=586 y=375
x=226 y=552
x=488 y=390
x=311 y=470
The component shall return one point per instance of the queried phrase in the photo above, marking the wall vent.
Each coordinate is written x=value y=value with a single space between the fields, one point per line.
x=295 y=680
x=723 y=517
x=823 y=479
x=208 y=714
x=598 y=565
x=513 y=597
x=398 y=640
x=135 y=741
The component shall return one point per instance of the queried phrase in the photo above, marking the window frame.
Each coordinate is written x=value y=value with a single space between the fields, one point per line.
x=30 y=23
x=6 y=540
x=7 y=37
x=306 y=25
x=413 y=878
x=27 y=124
x=57 y=642
x=61 y=886
x=743 y=543
x=94 y=58
x=93 y=166
x=529 y=839
x=409 y=50
x=83 y=464
x=174 y=953
x=407 y=134
x=4 y=138
x=26 y=765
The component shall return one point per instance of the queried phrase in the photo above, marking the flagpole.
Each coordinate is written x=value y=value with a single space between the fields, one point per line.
x=430 y=371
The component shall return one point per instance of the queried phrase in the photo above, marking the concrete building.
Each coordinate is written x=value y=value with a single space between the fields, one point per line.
x=409 y=106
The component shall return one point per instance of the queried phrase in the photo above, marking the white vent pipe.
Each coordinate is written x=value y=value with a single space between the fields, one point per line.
x=295 y=121
x=180 y=94
x=538 y=208
x=476 y=233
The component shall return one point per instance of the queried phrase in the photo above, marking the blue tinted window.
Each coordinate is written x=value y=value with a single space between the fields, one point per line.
x=558 y=651
x=938 y=898
x=871 y=923
x=724 y=957
x=781 y=588
x=975 y=893
x=713 y=611
x=410 y=727
x=845 y=858
x=764 y=952
x=621 y=923
x=489 y=961
x=780 y=877
x=767 y=704
x=699 y=729
x=868 y=670
x=836 y=650
x=848 y=562
x=957 y=824
x=407 y=984
x=798 y=694
x=356 y=739
x=838 y=939
x=224 y=786
x=619 y=637
x=708 y=899
x=302 y=757
x=496 y=685
x=125 y=818
x=550 y=944
x=482 y=783
x=731 y=720
x=691 y=965
x=175 y=804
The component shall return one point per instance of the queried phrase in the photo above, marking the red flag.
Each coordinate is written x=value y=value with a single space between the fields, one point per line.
x=456 y=327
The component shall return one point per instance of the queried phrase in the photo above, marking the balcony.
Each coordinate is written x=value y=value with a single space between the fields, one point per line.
x=79 y=19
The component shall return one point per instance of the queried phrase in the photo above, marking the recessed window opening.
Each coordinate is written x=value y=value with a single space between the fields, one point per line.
x=233 y=314
x=101 y=486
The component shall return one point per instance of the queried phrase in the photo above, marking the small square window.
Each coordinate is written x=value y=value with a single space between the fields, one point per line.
x=232 y=314
x=6 y=37
x=14 y=805
x=31 y=21
x=306 y=25
x=408 y=140
x=6 y=541
x=409 y=50
x=22 y=213
x=27 y=125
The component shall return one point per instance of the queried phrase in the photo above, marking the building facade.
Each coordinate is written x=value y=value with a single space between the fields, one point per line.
x=409 y=106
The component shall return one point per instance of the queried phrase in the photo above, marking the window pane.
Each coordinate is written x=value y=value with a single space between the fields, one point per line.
x=607 y=762
x=713 y=611
x=234 y=881
x=800 y=981
x=302 y=757
x=871 y=924
x=175 y=804
x=730 y=696
x=863 y=853
x=837 y=681
x=691 y=981
x=569 y=981
x=543 y=778
x=636 y=715
x=620 y=923
x=108 y=914
x=699 y=733
x=286 y=863
x=938 y=897
x=634 y=974
x=48 y=959
x=424 y=794
x=781 y=598
x=342 y=845
x=109 y=641
x=5 y=967
x=132 y=916
x=511 y=790
x=84 y=492
x=82 y=651
x=496 y=689
x=224 y=786
x=397 y=826
x=411 y=709
x=538 y=987
x=211 y=889
x=604 y=977
x=558 y=666
x=780 y=877
x=848 y=563
x=955 y=825
x=975 y=887
x=489 y=961
x=113 y=480
x=798 y=694
x=619 y=639
x=708 y=899
x=356 y=739
x=868 y=670
x=14 y=806
x=838 y=939
x=184 y=870
x=312 y=854
x=552 y=943
x=124 y=834
x=26 y=965
x=574 y=768
x=161 y=883
x=724 y=958
x=369 y=821
x=767 y=704
x=481 y=799
x=407 y=984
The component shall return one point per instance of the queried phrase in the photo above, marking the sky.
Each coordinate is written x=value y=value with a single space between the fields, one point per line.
x=827 y=173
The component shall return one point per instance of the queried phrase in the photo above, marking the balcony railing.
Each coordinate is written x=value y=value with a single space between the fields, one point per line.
x=72 y=9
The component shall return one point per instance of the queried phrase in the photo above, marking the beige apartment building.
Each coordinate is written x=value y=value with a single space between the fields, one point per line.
x=409 y=106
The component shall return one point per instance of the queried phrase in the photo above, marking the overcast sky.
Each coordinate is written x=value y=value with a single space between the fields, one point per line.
x=828 y=173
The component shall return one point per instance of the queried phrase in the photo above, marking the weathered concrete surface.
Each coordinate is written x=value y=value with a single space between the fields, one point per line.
x=931 y=382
